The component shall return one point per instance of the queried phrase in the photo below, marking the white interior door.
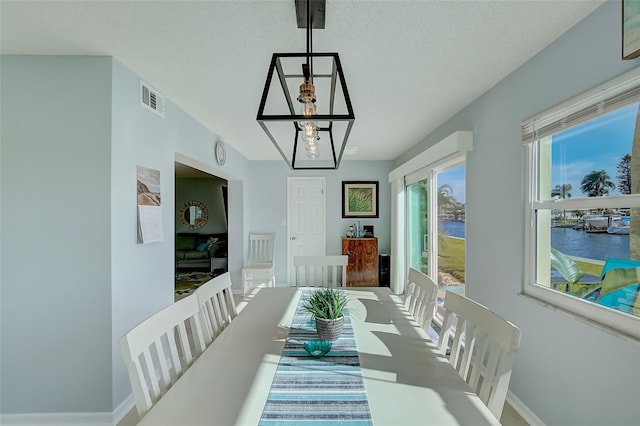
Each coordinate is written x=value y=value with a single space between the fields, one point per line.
x=306 y=219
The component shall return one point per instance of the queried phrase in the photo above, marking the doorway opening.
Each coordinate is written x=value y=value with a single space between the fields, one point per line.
x=201 y=228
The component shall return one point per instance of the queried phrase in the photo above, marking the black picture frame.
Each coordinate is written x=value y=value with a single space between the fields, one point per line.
x=360 y=199
x=630 y=29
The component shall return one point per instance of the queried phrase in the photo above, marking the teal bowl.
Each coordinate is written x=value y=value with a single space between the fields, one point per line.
x=317 y=348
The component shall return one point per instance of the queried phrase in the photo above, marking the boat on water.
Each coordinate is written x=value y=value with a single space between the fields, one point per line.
x=596 y=223
x=619 y=225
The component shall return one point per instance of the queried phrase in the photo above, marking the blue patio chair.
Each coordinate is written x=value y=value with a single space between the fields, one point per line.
x=617 y=286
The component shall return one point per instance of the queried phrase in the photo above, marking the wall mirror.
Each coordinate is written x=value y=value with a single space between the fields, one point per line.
x=194 y=215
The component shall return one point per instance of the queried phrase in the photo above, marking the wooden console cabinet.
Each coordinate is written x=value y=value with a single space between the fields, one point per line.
x=362 y=269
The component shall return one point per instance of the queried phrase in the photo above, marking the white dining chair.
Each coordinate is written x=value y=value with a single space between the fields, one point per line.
x=217 y=306
x=159 y=350
x=321 y=271
x=483 y=348
x=421 y=294
x=261 y=252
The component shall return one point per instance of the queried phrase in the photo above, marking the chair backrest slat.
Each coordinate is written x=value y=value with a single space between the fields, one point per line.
x=154 y=380
x=172 y=355
x=152 y=356
x=483 y=348
x=421 y=293
x=231 y=303
x=218 y=308
x=321 y=271
x=211 y=321
x=261 y=248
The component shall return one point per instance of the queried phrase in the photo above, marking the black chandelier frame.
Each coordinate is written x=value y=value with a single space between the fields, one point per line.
x=314 y=11
x=336 y=76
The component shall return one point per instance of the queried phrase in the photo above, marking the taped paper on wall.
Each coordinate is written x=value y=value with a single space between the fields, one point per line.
x=149 y=224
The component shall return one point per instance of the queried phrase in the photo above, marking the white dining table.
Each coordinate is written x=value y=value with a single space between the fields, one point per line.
x=408 y=381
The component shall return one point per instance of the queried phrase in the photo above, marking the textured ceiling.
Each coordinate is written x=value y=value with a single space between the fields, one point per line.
x=409 y=65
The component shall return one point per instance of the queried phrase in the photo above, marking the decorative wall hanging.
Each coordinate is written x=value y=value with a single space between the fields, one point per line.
x=149 y=210
x=193 y=215
x=630 y=29
x=360 y=199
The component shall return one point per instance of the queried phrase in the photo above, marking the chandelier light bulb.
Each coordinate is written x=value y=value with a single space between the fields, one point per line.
x=309 y=127
x=310 y=138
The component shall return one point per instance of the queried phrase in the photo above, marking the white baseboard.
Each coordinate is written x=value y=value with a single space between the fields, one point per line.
x=45 y=419
x=71 y=419
x=524 y=411
x=123 y=408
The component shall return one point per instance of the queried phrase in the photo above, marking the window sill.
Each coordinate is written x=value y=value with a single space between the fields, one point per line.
x=588 y=321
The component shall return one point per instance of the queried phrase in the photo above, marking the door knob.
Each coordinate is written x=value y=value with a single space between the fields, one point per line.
x=293 y=238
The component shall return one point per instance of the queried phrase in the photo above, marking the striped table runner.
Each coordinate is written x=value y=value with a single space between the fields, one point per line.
x=317 y=391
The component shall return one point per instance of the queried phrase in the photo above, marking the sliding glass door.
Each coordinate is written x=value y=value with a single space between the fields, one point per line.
x=418 y=225
x=451 y=228
x=435 y=224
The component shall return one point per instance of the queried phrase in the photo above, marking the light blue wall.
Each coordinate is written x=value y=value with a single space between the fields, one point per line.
x=567 y=371
x=73 y=277
x=267 y=203
x=55 y=310
x=142 y=275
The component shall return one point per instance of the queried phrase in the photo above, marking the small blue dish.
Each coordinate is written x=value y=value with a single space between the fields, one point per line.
x=317 y=348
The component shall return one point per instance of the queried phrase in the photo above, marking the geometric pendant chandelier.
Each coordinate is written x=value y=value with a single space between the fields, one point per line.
x=305 y=109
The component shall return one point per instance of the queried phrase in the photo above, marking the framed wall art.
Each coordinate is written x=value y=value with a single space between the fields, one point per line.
x=630 y=29
x=360 y=199
x=149 y=205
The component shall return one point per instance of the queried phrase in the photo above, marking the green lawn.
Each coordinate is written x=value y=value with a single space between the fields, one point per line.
x=451 y=256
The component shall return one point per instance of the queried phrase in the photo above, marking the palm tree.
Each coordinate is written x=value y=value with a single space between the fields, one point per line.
x=446 y=203
x=597 y=183
x=562 y=191
x=446 y=200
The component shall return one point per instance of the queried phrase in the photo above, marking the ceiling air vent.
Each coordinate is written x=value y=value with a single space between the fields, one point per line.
x=151 y=99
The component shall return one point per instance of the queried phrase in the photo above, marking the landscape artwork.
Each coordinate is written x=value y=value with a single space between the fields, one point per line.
x=148 y=186
x=630 y=29
x=360 y=199
x=149 y=210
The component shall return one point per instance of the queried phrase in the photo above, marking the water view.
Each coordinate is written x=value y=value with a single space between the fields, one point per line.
x=590 y=246
x=567 y=240
x=453 y=228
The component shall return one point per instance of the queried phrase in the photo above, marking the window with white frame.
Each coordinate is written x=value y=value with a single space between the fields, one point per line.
x=583 y=251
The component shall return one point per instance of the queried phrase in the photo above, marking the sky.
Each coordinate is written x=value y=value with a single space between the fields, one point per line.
x=595 y=145
x=455 y=179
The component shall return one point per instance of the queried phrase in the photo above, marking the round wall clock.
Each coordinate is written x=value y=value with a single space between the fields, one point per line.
x=221 y=155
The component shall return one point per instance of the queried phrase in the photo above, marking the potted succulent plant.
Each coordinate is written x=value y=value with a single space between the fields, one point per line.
x=326 y=305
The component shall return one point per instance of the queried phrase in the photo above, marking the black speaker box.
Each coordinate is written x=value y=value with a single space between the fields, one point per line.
x=384 y=270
